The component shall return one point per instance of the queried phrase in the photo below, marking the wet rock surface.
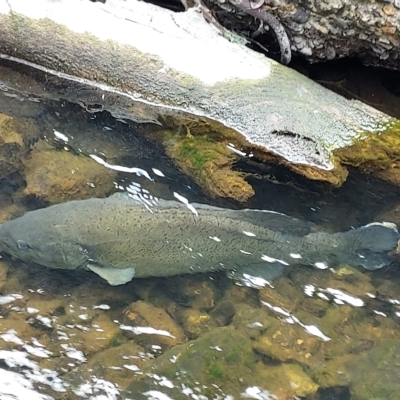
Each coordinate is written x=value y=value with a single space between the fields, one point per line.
x=12 y=147
x=141 y=315
x=55 y=176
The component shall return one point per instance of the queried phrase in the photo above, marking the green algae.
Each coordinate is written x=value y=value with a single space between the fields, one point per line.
x=223 y=354
x=374 y=150
x=367 y=383
x=207 y=159
x=197 y=151
x=216 y=370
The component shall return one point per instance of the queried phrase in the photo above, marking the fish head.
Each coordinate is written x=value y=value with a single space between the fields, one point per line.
x=33 y=239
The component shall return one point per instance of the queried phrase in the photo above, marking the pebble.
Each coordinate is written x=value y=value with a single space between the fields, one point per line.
x=388 y=9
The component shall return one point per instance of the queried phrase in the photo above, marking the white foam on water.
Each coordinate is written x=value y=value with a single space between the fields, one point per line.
x=73 y=353
x=31 y=373
x=38 y=352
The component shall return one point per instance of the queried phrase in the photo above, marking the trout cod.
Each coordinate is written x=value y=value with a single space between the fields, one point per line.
x=119 y=239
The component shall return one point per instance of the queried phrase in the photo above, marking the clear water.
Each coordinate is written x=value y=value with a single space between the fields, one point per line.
x=313 y=334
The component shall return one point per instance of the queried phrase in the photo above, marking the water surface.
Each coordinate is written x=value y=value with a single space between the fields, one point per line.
x=312 y=334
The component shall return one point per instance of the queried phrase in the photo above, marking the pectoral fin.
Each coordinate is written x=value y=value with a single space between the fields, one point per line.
x=114 y=276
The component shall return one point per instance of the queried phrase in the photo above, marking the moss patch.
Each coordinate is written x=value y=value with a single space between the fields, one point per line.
x=216 y=371
x=373 y=151
x=206 y=158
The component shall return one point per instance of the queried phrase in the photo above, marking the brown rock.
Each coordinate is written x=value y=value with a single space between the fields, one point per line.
x=3 y=274
x=142 y=314
x=223 y=313
x=288 y=343
x=102 y=331
x=195 y=322
x=288 y=381
x=284 y=295
x=11 y=147
x=242 y=294
x=196 y=291
x=116 y=364
x=388 y=30
x=57 y=176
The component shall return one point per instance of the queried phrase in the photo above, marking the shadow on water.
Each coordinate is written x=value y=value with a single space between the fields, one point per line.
x=312 y=334
x=360 y=200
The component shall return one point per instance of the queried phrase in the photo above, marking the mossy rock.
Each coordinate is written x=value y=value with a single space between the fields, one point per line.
x=220 y=361
x=377 y=153
x=370 y=374
x=203 y=155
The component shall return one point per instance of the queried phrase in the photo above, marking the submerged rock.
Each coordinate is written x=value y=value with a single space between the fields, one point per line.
x=102 y=331
x=252 y=320
x=221 y=363
x=207 y=158
x=372 y=374
x=116 y=364
x=12 y=148
x=57 y=176
x=153 y=326
x=345 y=278
x=199 y=291
x=385 y=357
x=194 y=322
x=3 y=274
x=223 y=313
x=220 y=360
x=288 y=380
x=290 y=343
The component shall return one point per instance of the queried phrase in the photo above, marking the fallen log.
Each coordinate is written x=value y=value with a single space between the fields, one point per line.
x=150 y=64
x=321 y=30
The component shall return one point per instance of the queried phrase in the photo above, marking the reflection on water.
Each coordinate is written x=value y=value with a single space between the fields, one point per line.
x=329 y=332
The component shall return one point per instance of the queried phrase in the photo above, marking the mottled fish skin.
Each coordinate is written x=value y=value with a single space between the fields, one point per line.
x=119 y=233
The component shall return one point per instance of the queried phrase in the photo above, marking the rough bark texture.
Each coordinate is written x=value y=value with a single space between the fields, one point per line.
x=327 y=29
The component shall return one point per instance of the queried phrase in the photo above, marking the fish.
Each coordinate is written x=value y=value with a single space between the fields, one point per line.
x=120 y=238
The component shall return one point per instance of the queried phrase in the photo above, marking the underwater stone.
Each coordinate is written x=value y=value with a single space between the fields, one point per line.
x=57 y=176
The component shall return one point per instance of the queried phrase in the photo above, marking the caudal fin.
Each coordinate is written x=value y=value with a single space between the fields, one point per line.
x=374 y=245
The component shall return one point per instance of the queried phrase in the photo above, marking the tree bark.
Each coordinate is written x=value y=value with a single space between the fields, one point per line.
x=321 y=30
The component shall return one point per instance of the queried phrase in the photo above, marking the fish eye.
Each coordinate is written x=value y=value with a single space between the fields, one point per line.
x=22 y=245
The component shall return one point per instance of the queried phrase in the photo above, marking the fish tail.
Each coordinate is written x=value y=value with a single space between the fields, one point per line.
x=373 y=246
